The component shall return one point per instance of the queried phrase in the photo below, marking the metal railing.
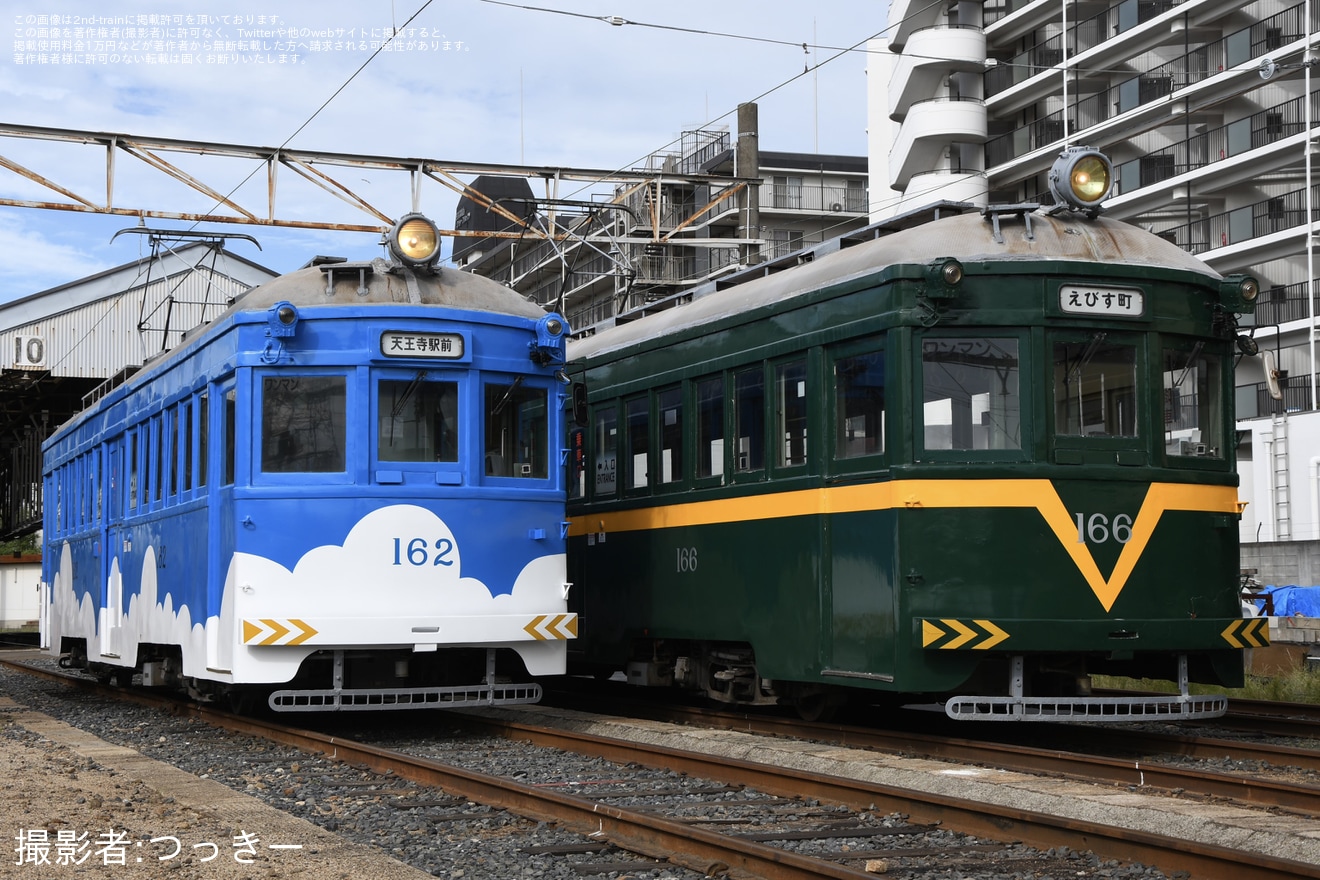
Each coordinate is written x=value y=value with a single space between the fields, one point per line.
x=1273 y=214
x=1251 y=132
x=1254 y=401
x=1082 y=37
x=815 y=198
x=1283 y=303
x=1153 y=84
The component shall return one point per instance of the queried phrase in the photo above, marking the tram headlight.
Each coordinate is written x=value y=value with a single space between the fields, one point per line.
x=550 y=346
x=282 y=319
x=1238 y=293
x=415 y=240
x=943 y=276
x=1081 y=178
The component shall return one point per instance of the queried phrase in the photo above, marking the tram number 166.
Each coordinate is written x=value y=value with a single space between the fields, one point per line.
x=686 y=559
x=1098 y=528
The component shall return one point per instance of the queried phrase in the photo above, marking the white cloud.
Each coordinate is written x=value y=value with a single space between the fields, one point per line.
x=35 y=260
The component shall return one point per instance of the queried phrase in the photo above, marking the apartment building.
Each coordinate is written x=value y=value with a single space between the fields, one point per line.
x=1206 y=107
x=710 y=206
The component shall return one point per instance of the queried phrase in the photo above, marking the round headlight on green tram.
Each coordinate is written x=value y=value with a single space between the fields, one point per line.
x=1081 y=178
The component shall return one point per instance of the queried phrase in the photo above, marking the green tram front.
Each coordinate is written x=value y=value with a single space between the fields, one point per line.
x=984 y=478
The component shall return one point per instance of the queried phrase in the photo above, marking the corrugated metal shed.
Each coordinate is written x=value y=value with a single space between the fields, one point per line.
x=58 y=346
x=95 y=327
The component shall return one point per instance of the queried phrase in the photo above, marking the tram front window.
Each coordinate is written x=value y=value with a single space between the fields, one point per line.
x=303 y=424
x=1095 y=388
x=517 y=431
x=970 y=393
x=1193 y=403
x=417 y=419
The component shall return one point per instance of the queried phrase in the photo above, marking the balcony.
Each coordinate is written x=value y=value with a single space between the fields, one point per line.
x=1283 y=304
x=1027 y=78
x=928 y=129
x=1157 y=82
x=1254 y=401
x=945 y=186
x=813 y=199
x=930 y=55
x=1259 y=229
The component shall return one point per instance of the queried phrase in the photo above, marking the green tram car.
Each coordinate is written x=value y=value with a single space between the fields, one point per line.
x=979 y=460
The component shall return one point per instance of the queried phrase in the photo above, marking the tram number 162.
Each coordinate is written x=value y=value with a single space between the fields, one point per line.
x=417 y=552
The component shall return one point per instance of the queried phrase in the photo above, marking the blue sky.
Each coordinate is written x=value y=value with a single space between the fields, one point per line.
x=477 y=82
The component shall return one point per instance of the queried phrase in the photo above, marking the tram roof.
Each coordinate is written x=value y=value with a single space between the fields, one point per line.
x=445 y=286
x=970 y=238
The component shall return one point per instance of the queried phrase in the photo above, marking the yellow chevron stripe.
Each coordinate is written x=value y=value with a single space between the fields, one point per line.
x=965 y=635
x=997 y=635
x=989 y=494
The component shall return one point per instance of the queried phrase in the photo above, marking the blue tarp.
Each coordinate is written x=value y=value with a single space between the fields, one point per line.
x=1293 y=600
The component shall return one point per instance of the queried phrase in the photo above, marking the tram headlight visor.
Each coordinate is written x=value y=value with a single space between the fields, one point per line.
x=1081 y=178
x=415 y=240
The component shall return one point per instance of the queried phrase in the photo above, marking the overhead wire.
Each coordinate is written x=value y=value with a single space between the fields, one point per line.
x=282 y=145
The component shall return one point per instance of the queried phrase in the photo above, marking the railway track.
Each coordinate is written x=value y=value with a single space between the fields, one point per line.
x=701 y=847
x=1276 y=718
x=1081 y=758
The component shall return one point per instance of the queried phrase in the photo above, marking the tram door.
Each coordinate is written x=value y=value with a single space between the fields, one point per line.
x=110 y=620
x=861 y=598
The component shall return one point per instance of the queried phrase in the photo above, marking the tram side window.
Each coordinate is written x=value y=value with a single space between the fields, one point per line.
x=94 y=486
x=156 y=455
x=517 y=431
x=185 y=450
x=1193 y=403
x=637 y=440
x=203 y=432
x=749 y=419
x=710 y=427
x=169 y=445
x=791 y=412
x=970 y=393
x=671 y=434
x=133 y=471
x=115 y=481
x=1095 y=388
x=417 y=420
x=303 y=424
x=859 y=387
x=229 y=434
x=605 y=451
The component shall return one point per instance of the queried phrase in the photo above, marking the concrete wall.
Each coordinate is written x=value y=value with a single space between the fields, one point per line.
x=1284 y=562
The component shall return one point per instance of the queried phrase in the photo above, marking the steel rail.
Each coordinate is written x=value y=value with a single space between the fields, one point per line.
x=706 y=851
x=1037 y=761
x=644 y=833
x=989 y=821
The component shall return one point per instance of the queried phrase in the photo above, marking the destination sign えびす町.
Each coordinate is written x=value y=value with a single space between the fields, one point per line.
x=411 y=344
x=1123 y=302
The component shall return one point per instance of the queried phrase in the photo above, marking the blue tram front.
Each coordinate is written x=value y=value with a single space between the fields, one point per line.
x=346 y=492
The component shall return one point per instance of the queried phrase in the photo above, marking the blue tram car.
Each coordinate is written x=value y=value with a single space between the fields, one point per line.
x=346 y=492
